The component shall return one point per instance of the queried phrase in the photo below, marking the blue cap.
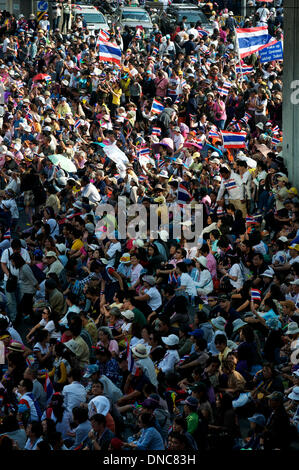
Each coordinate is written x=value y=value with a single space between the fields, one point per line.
x=191 y=401
x=90 y=370
x=258 y=419
x=188 y=261
x=197 y=333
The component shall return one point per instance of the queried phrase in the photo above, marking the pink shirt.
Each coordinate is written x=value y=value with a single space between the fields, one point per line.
x=212 y=265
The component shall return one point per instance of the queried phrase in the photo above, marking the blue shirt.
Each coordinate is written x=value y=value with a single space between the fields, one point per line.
x=150 y=439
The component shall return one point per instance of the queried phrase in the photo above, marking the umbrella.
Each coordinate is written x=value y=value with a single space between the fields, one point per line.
x=40 y=76
x=64 y=163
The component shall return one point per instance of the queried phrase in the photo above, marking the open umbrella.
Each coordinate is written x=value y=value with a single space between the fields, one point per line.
x=63 y=162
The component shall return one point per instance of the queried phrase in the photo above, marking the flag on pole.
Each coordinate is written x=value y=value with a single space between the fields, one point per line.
x=109 y=52
x=256 y=294
x=233 y=140
x=244 y=69
x=157 y=107
x=156 y=131
x=103 y=36
x=251 y=40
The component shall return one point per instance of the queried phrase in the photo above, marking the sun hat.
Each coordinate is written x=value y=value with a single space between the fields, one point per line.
x=283 y=239
x=296 y=373
x=90 y=370
x=140 y=351
x=202 y=260
x=273 y=324
x=128 y=314
x=15 y=346
x=125 y=258
x=170 y=340
x=149 y=279
x=293 y=191
x=51 y=254
x=268 y=273
x=73 y=346
x=293 y=328
x=237 y=324
x=258 y=419
x=218 y=323
x=260 y=125
x=163 y=174
x=191 y=401
x=285 y=179
x=295 y=357
x=61 y=247
x=99 y=405
x=294 y=395
x=294 y=246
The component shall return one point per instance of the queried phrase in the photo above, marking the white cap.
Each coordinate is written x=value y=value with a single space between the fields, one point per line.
x=171 y=340
x=128 y=314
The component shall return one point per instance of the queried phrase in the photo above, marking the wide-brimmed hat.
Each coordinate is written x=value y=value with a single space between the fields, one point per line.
x=219 y=323
x=140 y=351
x=51 y=254
x=171 y=340
x=292 y=328
x=15 y=346
x=294 y=395
x=125 y=258
x=237 y=324
x=73 y=346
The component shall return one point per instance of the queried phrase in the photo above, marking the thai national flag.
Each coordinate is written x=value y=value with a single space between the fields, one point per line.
x=256 y=294
x=142 y=178
x=157 y=107
x=172 y=278
x=48 y=78
x=275 y=130
x=7 y=235
x=237 y=126
x=251 y=40
x=155 y=51
x=103 y=36
x=223 y=91
x=202 y=33
x=48 y=387
x=156 y=131
x=78 y=123
x=234 y=140
x=183 y=195
x=161 y=164
x=193 y=59
x=244 y=69
x=275 y=141
x=109 y=52
x=143 y=152
x=213 y=134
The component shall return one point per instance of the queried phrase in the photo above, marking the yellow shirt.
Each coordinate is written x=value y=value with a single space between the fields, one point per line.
x=116 y=97
x=77 y=245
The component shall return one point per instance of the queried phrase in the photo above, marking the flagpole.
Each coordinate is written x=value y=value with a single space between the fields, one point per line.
x=238 y=51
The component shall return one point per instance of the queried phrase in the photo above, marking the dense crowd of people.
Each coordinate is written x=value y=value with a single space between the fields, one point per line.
x=145 y=343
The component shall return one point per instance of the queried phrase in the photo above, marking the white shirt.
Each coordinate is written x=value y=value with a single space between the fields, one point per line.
x=74 y=394
x=233 y=185
x=111 y=252
x=50 y=327
x=91 y=192
x=155 y=298
x=135 y=273
x=187 y=281
x=5 y=259
x=169 y=360
x=235 y=270
x=148 y=369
